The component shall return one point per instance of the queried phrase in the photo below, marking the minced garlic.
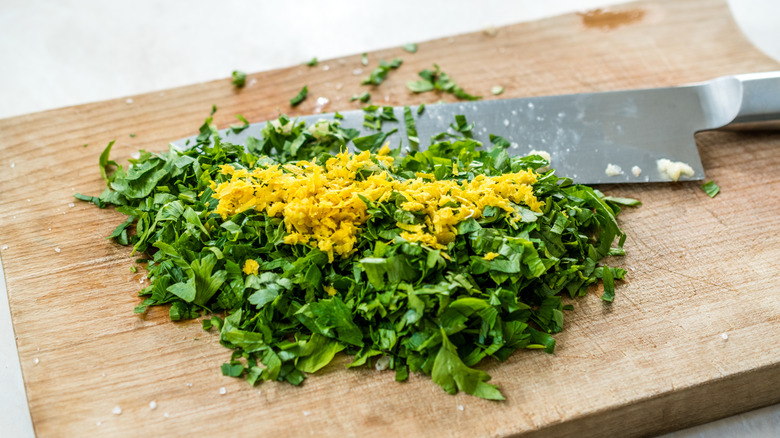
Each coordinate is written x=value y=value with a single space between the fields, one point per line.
x=321 y=205
x=673 y=170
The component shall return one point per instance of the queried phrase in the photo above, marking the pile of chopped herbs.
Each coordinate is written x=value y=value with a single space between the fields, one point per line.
x=399 y=304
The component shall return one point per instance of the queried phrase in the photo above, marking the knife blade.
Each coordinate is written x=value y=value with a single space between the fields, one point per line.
x=584 y=133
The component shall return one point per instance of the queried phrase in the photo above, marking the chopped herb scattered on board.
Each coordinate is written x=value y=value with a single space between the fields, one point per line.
x=239 y=78
x=379 y=74
x=438 y=80
x=300 y=97
x=428 y=262
x=411 y=47
x=710 y=188
x=362 y=97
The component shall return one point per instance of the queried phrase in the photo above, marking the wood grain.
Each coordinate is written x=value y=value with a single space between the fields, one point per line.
x=651 y=362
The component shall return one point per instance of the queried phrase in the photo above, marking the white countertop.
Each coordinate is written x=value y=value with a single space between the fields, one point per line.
x=65 y=52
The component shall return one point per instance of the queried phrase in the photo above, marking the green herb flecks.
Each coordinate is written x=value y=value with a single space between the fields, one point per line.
x=411 y=129
x=711 y=189
x=438 y=80
x=362 y=97
x=373 y=116
x=239 y=79
x=235 y=129
x=411 y=47
x=300 y=96
x=379 y=74
x=313 y=62
x=494 y=288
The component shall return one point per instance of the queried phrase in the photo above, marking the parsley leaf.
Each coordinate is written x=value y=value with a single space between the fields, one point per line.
x=239 y=78
x=711 y=189
x=411 y=47
x=379 y=74
x=363 y=97
x=438 y=80
x=300 y=96
x=235 y=129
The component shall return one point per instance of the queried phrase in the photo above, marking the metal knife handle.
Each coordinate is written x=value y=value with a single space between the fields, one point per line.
x=760 y=104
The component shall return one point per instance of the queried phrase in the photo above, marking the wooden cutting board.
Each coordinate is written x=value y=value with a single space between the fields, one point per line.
x=653 y=361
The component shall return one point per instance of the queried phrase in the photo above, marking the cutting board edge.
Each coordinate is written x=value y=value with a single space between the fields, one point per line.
x=672 y=411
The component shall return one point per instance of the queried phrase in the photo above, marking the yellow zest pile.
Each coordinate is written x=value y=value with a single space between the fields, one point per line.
x=321 y=205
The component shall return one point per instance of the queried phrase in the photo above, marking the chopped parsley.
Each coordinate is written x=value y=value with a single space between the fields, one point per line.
x=362 y=97
x=313 y=62
x=239 y=78
x=711 y=189
x=379 y=74
x=411 y=129
x=438 y=80
x=411 y=47
x=235 y=129
x=429 y=262
x=300 y=96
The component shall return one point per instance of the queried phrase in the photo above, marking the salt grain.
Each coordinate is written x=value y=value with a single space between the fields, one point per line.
x=325 y=67
x=222 y=391
x=636 y=170
x=306 y=413
x=117 y=410
x=506 y=122
x=166 y=415
x=321 y=102
x=13 y=165
x=5 y=247
x=724 y=336
x=35 y=361
x=57 y=249
x=98 y=423
x=152 y=405
x=71 y=205
x=357 y=71
x=460 y=407
x=129 y=101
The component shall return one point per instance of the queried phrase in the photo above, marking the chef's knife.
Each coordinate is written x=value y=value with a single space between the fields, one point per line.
x=584 y=133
